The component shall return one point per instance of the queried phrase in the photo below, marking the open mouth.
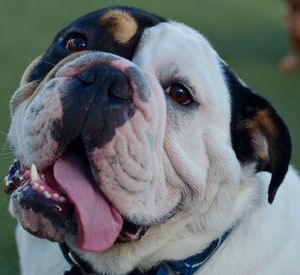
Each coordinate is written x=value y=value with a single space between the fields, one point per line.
x=67 y=194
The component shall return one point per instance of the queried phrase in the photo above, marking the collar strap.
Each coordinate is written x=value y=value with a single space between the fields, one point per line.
x=187 y=266
x=78 y=266
x=192 y=264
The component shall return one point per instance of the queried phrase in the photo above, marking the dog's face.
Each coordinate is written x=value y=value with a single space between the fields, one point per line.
x=129 y=128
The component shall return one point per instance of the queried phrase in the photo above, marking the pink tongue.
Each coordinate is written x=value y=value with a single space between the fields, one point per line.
x=99 y=224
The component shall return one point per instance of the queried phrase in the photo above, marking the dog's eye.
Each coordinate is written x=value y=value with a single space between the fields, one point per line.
x=76 y=43
x=179 y=93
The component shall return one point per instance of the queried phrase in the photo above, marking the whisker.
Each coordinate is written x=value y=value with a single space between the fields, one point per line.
x=5 y=147
x=5 y=154
x=47 y=62
x=3 y=133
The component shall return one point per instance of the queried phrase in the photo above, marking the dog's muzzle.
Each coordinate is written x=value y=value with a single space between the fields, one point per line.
x=97 y=93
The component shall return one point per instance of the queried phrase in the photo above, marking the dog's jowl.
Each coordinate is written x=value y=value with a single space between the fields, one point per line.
x=139 y=151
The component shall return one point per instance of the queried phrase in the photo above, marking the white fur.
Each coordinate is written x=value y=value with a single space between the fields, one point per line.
x=198 y=157
x=38 y=256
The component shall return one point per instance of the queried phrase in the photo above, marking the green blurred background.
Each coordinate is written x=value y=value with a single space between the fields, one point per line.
x=248 y=34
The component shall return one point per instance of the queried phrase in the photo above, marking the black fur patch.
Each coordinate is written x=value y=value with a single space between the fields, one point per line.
x=99 y=38
x=252 y=114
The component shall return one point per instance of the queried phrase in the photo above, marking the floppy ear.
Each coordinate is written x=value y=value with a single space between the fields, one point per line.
x=258 y=134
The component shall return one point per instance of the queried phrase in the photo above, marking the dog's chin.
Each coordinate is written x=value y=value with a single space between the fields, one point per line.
x=53 y=229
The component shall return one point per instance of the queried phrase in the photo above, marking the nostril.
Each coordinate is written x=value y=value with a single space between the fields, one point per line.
x=88 y=77
x=121 y=90
x=111 y=80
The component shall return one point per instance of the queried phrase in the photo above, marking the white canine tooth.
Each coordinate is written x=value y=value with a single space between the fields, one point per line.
x=41 y=187
x=34 y=173
x=47 y=194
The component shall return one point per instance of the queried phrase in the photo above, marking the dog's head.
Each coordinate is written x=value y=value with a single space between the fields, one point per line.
x=129 y=128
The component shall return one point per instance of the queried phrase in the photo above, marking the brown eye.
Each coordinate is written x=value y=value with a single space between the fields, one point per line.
x=179 y=93
x=76 y=43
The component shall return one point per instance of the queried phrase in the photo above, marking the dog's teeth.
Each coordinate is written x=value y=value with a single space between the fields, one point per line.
x=34 y=173
x=41 y=187
x=47 y=195
x=62 y=199
x=35 y=185
x=56 y=196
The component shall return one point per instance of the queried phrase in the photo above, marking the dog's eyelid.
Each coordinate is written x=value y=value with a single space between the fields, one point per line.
x=75 y=41
x=184 y=82
x=74 y=32
x=179 y=92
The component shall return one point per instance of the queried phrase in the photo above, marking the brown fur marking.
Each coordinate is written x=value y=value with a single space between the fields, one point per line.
x=262 y=127
x=261 y=146
x=121 y=25
x=263 y=121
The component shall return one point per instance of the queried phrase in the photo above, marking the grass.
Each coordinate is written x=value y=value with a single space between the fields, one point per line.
x=249 y=35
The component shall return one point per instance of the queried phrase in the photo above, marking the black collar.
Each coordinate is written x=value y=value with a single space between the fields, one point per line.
x=188 y=266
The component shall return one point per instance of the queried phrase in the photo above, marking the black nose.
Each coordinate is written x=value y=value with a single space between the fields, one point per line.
x=95 y=103
x=115 y=82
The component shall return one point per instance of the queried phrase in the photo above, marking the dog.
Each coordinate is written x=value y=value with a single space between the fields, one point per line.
x=139 y=151
x=291 y=61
